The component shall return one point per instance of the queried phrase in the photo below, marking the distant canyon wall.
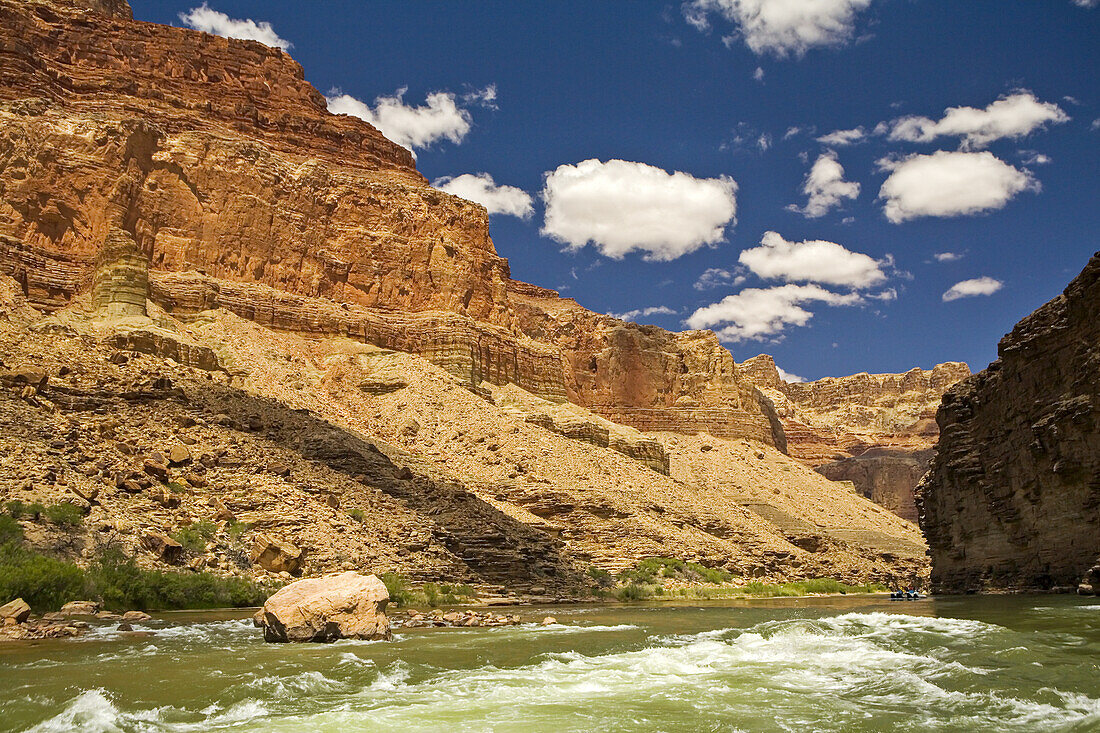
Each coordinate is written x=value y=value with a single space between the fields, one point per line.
x=875 y=430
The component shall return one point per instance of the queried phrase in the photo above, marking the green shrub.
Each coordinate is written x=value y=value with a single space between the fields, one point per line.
x=64 y=514
x=649 y=570
x=195 y=536
x=603 y=578
x=15 y=508
x=634 y=592
x=43 y=582
x=10 y=531
x=400 y=595
x=121 y=584
x=357 y=515
x=175 y=487
x=237 y=529
x=710 y=575
x=35 y=510
x=430 y=594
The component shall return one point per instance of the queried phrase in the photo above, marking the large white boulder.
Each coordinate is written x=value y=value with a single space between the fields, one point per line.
x=344 y=606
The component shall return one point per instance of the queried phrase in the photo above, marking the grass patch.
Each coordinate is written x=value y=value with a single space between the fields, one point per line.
x=17 y=509
x=64 y=514
x=648 y=578
x=237 y=529
x=357 y=515
x=429 y=594
x=10 y=531
x=195 y=536
x=757 y=589
x=47 y=583
x=652 y=569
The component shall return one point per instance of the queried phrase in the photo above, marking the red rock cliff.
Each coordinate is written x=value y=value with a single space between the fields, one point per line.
x=225 y=168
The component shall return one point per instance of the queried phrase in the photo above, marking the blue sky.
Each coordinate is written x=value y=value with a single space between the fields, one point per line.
x=734 y=94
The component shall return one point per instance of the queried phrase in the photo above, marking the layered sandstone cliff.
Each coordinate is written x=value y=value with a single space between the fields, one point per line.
x=1012 y=501
x=875 y=430
x=223 y=165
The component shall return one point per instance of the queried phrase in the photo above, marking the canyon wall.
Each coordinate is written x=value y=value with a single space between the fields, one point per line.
x=875 y=430
x=1012 y=501
x=243 y=192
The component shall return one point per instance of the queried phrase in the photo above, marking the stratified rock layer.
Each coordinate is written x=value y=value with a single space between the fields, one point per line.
x=1012 y=501
x=875 y=430
x=223 y=168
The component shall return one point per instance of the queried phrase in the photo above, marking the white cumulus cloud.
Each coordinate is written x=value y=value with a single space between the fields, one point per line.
x=948 y=184
x=656 y=310
x=971 y=288
x=207 y=20
x=482 y=189
x=1012 y=116
x=947 y=256
x=439 y=118
x=756 y=314
x=814 y=261
x=623 y=207
x=825 y=187
x=843 y=137
x=782 y=27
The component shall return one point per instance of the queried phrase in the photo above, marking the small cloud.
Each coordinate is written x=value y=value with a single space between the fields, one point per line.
x=482 y=189
x=791 y=132
x=788 y=377
x=1012 y=116
x=946 y=184
x=1032 y=157
x=714 y=277
x=622 y=206
x=1086 y=3
x=825 y=187
x=207 y=20
x=486 y=97
x=758 y=314
x=885 y=296
x=780 y=28
x=634 y=315
x=840 y=138
x=972 y=288
x=758 y=74
x=947 y=256
x=813 y=261
x=1095 y=124
x=412 y=127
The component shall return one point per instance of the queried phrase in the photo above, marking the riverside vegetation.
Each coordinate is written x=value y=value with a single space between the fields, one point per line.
x=666 y=577
x=46 y=583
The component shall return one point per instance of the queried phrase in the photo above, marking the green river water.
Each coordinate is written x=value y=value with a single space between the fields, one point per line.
x=814 y=664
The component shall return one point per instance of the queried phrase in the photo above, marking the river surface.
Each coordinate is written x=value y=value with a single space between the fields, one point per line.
x=816 y=664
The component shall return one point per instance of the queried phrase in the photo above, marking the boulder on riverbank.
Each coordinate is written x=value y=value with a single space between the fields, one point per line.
x=344 y=606
x=18 y=611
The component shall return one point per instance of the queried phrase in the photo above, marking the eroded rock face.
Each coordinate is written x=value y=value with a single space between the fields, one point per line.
x=222 y=167
x=1012 y=501
x=344 y=606
x=875 y=430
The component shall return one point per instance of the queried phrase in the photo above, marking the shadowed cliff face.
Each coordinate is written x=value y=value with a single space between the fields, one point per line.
x=223 y=165
x=1012 y=501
